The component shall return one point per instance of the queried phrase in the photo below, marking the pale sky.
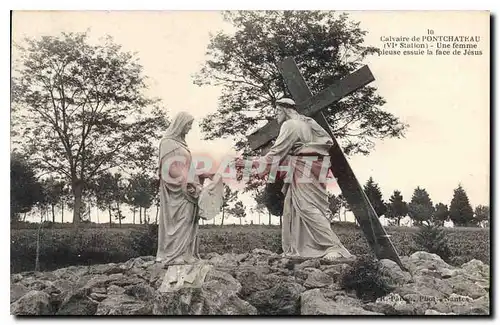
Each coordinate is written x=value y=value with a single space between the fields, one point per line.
x=445 y=100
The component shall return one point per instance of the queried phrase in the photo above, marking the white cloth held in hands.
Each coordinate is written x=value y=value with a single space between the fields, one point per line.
x=211 y=198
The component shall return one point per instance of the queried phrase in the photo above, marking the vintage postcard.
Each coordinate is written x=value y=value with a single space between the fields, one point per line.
x=250 y=163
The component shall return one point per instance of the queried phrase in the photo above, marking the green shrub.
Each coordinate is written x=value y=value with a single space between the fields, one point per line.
x=433 y=239
x=366 y=279
x=145 y=241
x=274 y=197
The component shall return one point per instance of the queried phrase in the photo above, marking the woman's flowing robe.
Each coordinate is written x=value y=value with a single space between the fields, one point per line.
x=177 y=224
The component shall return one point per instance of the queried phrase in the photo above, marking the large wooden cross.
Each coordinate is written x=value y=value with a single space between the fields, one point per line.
x=310 y=105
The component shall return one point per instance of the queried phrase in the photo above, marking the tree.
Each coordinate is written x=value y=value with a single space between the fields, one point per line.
x=155 y=192
x=260 y=207
x=420 y=208
x=110 y=192
x=138 y=193
x=441 y=214
x=274 y=198
x=65 y=198
x=229 y=196
x=344 y=205
x=334 y=204
x=238 y=211
x=146 y=189
x=396 y=208
x=25 y=189
x=260 y=197
x=326 y=46
x=482 y=215
x=131 y=195
x=374 y=194
x=88 y=200
x=460 y=209
x=142 y=192
x=156 y=202
x=119 y=196
x=433 y=239
x=54 y=190
x=42 y=205
x=82 y=108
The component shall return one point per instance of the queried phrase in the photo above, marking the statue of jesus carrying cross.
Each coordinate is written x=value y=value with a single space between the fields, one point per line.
x=306 y=230
x=309 y=105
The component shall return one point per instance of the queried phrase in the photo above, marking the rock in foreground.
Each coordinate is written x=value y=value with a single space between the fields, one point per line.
x=257 y=283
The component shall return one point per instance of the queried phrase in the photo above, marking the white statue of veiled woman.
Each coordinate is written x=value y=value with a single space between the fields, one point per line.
x=180 y=207
x=177 y=223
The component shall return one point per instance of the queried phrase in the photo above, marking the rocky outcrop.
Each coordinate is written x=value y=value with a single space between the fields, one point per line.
x=31 y=304
x=256 y=283
x=437 y=288
x=316 y=302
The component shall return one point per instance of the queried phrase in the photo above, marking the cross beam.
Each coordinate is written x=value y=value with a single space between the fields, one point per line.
x=310 y=105
x=306 y=103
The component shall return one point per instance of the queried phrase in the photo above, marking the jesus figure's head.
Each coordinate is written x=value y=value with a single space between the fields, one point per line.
x=285 y=107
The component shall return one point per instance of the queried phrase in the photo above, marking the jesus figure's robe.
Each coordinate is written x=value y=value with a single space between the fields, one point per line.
x=306 y=230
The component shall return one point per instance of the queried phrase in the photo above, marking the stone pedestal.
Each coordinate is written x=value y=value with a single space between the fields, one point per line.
x=186 y=275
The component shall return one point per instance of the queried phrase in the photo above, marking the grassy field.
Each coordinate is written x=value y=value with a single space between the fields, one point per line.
x=61 y=245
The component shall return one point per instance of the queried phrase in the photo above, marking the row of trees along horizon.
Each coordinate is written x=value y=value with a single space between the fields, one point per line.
x=113 y=193
x=420 y=209
x=84 y=133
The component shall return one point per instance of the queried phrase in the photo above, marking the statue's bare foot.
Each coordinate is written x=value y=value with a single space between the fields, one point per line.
x=332 y=256
x=337 y=256
x=191 y=260
x=175 y=261
x=290 y=255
